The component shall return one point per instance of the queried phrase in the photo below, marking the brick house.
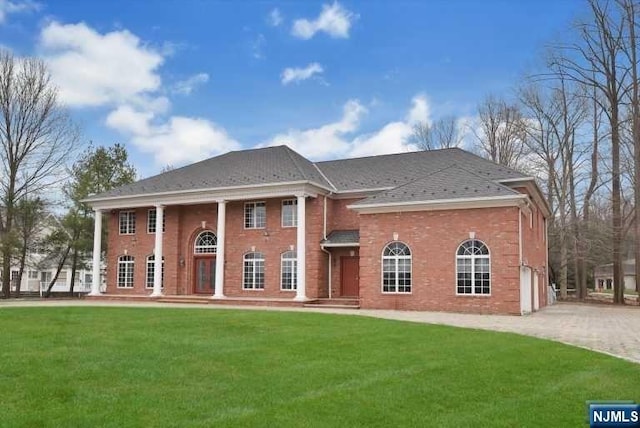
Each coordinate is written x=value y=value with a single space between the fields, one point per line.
x=440 y=230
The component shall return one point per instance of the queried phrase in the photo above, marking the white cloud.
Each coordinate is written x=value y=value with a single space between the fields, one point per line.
x=257 y=46
x=93 y=69
x=275 y=17
x=176 y=140
x=185 y=87
x=295 y=75
x=333 y=20
x=339 y=139
x=8 y=7
x=327 y=140
x=420 y=110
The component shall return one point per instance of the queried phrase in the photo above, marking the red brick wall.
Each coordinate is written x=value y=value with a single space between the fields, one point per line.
x=340 y=217
x=184 y=223
x=434 y=238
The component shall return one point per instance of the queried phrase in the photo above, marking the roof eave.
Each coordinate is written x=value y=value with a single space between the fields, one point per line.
x=442 y=204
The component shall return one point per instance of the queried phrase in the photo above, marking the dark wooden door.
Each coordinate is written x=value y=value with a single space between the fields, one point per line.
x=350 y=276
x=204 y=275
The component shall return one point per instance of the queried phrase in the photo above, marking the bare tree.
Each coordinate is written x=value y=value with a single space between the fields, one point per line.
x=597 y=60
x=36 y=134
x=501 y=131
x=444 y=133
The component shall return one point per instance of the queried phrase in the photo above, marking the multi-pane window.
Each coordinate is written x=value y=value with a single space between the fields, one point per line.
x=127 y=222
x=396 y=268
x=253 y=275
x=33 y=274
x=255 y=215
x=151 y=269
x=125 y=272
x=151 y=221
x=290 y=213
x=288 y=271
x=473 y=270
x=206 y=243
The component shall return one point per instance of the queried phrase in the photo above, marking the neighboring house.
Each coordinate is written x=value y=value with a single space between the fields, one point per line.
x=40 y=269
x=437 y=230
x=603 y=275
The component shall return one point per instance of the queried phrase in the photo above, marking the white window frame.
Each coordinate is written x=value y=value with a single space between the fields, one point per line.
x=254 y=219
x=396 y=258
x=289 y=221
x=151 y=225
x=291 y=264
x=129 y=222
x=473 y=258
x=151 y=268
x=205 y=249
x=33 y=274
x=255 y=264
x=126 y=272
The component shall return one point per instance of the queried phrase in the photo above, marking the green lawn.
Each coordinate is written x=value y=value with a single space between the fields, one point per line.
x=93 y=367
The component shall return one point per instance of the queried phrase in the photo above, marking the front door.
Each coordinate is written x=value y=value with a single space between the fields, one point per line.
x=205 y=275
x=350 y=276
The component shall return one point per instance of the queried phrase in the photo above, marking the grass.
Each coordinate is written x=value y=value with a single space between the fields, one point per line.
x=121 y=367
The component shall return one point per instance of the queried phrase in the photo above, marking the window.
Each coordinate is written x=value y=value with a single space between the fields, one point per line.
x=151 y=221
x=14 y=275
x=290 y=213
x=396 y=268
x=206 y=243
x=472 y=268
x=255 y=215
x=288 y=271
x=33 y=274
x=127 y=222
x=253 y=278
x=125 y=272
x=151 y=268
x=45 y=277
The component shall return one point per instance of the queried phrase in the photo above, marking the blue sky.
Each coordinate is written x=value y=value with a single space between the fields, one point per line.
x=179 y=81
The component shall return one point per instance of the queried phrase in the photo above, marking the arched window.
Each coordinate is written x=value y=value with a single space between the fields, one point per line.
x=396 y=268
x=151 y=268
x=473 y=270
x=253 y=272
x=125 y=271
x=288 y=270
x=206 y=243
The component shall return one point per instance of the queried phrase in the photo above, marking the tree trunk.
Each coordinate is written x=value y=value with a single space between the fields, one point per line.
x=618 y=278
x=59 y=268
x=23 y=259
x=74 y=267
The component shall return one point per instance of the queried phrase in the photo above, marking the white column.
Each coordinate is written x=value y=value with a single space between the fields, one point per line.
x=97 y=250
x=301 y=251
x=218 y=292
x=157 y=253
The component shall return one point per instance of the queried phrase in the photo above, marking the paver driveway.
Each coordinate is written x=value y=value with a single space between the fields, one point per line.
x=608 y=329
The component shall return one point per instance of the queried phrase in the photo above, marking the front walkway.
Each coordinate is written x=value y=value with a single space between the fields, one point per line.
x=607 y=329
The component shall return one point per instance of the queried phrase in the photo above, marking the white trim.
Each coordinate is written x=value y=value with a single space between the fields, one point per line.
x=442 y=204
x=218 y=286
x=325 y=177
x=133 y=274
x=354 y=194
x=97 y=252
x=340 y=245
x=301 y=250
x=294 y=271
x=515 y=180
x=253 y=260
x=211 y=195
x=159 y=257
x=163 y=221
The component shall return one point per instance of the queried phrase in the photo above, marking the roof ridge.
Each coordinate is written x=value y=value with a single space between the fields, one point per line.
x=288 y=151
x=324 y=176
x=392 y=154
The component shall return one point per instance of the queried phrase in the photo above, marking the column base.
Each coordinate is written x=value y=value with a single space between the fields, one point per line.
x=94 y=294
x=300 y=299
x=155 y=294
x=218 y=297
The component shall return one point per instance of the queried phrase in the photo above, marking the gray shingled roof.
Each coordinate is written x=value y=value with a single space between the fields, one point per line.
x=342 y=237
x=240 y=168
x=273 y=165
x=451 y=182
x=375 y=172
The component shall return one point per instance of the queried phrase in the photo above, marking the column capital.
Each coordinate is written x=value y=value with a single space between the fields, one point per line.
x=159 y=206
x=300 y=195
x=221 y=201
x=98 y=210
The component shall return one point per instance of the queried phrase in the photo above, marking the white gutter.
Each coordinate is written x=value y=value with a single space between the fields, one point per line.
x=342 y=245
x=329 y=270
x=520 y=235
x=438 y=202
